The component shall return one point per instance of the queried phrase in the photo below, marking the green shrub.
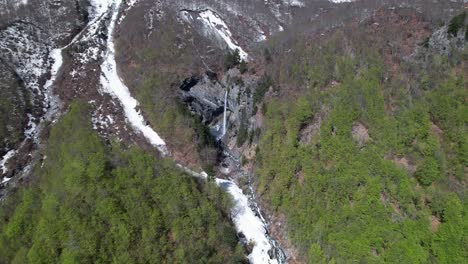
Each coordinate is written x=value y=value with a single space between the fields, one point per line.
x=264 y=84
x=232 y=59
x=456 y=24
x=267 y=55
x=428 y=172
x=243 y=67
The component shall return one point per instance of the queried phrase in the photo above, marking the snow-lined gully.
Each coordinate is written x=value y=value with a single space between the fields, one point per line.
x=249 y=223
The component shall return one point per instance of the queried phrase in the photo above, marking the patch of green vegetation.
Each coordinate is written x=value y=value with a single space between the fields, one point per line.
x=267 y=55
x=243 y=68
x=94 y=203
x=232 y=59
x=173 y=121
x=456 y=23
x=262 y=87
x=425 y=43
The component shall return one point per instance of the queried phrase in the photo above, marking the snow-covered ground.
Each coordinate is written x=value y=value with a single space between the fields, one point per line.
x=215 y=23
x=247 y=222
x=5 y=159
x=33 y=58
x=98 y=7
x=28 y=53
x=215 y=26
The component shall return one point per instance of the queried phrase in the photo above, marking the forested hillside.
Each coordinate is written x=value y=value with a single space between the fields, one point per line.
x=368 y=162
x=91 y=202
x=233 y=131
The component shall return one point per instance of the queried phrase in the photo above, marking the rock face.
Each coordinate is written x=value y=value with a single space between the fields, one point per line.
x=205 y=96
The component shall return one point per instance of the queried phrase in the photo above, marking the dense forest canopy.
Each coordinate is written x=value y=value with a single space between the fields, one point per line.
x=365 y=169
x=345 y=128
x=95 y=203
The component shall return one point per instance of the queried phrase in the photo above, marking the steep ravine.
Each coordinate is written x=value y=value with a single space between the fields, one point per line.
x=246 y=215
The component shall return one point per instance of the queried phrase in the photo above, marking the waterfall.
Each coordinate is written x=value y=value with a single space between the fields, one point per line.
x=247 y=221
x=225 y=114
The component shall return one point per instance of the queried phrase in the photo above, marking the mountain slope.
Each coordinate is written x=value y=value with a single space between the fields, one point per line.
x=337 y=128
x=362 y=151
x=95 y=203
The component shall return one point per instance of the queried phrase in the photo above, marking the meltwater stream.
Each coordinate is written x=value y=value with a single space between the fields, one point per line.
x=245 y=214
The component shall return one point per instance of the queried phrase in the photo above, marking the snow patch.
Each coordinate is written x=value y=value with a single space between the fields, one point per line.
x=101 y=121
x=247 y=222
x=251 y=224
x=130 y=4
x=295 y=3
x=214 y=23
x=5 y=159
x=31 y=128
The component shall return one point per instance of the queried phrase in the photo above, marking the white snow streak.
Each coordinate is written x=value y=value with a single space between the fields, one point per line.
x=112 y=83
x=214 y=23
x=3 y=161
x=248 y=223
x=56 y=55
